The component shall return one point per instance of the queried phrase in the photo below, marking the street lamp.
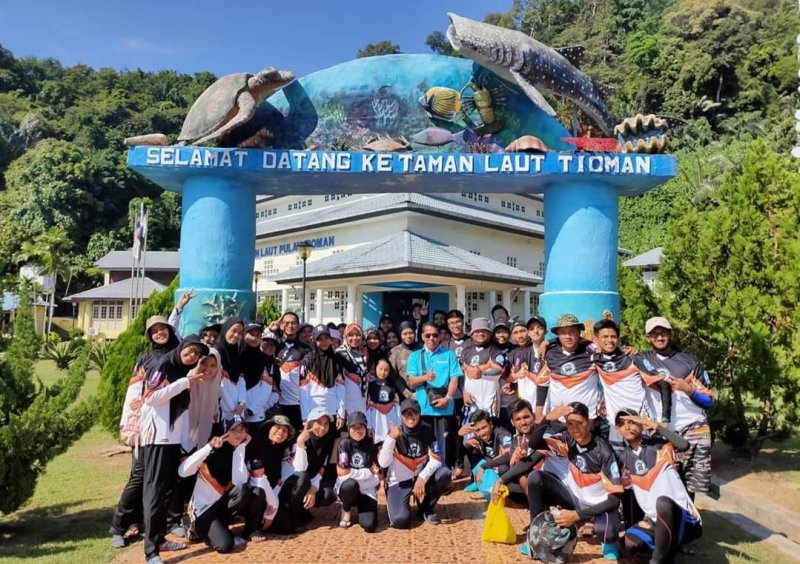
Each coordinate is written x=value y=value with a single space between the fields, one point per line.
x=304 y=249
x=256 y=278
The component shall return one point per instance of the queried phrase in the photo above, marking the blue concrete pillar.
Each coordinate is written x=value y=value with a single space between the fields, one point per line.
x=439 y=300
x=217 y=234
x=372 y=309
x=581 y=228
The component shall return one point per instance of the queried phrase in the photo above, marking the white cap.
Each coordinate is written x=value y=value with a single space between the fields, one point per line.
x=316 y=413
x=654 y=322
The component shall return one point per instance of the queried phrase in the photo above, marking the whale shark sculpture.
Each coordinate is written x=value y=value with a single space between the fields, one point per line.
x=532 y=65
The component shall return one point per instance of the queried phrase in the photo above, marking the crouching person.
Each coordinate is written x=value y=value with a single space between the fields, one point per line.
x=221 y=492
x=311 y=485
x=357 y=469
x=410 y=453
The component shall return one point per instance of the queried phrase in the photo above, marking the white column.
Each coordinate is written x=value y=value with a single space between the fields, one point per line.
x=351 y=303
x=507 y=300
x=319 y=304
x=359 y=306
x=284 y=300
x=492 y=303
x=526 y=306
x=461 y=298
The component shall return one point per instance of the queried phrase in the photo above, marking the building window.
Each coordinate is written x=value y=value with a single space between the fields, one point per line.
x=511 y=261
x=475 y=197
x=540 y=271
x=300 y=205
x=476 y=253
x=512 y=206
x=534 y=303
x=106 y=310
x=335 y=197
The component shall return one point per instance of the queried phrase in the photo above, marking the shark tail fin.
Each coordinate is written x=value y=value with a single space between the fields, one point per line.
x=574 y=54
x=604 y=89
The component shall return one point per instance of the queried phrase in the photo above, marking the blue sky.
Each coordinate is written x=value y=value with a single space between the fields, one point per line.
x=222 y=36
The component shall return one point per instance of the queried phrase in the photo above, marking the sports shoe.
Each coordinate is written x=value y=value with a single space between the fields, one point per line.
x=473 y=487
x=238 y=543
x=169 y=546
x=610 y=551
x=178 y=531
x=432 y=519
x=117 y=541
x=523 y=549
x=155 y=560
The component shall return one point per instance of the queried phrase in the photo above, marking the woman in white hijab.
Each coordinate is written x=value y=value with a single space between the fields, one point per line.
x=204 y=407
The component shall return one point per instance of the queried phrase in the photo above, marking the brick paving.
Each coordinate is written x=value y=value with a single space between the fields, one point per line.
x=457 y=539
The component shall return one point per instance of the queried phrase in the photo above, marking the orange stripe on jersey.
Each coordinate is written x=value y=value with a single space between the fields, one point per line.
x=611 y=378
x=209 y=479
x=572 y=381
x=290 y=366
x=411 y=463
x=646 y=481
x=559 y=447
x=650 y=379
x=583 y=480
x=610 y=486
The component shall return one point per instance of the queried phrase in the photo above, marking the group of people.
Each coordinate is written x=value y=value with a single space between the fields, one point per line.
x=261 y=425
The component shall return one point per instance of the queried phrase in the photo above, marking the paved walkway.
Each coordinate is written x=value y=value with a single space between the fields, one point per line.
x=457 y=539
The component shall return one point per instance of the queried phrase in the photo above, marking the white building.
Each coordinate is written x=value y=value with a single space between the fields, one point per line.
x=380 y=253
x=647 y=264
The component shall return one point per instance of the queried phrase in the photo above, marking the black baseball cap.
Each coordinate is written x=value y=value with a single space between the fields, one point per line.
x=411 y=404
x=625 y=412
x=356 y=418
x=537 y=319
x=455 y=313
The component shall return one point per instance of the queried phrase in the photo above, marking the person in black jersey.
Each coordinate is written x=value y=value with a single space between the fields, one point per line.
x=484 y=442
x=670 y=517
x=357 y=469
x=290 y=360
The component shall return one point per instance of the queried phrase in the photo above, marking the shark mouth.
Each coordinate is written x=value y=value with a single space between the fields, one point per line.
x=452 y=34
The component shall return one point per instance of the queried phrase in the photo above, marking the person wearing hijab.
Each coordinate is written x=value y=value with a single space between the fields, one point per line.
x=259 y=393
x=274 y=439
x=290 y=359
x=220 y=491
x=306 y=334
x=411 y=455
x=398 y=357
x=322 y=384
x=269 y=346
x=128 y=511
x=233 y=396
x=392 y=339
x=357 y=474
x=311 y=485
x=386 y=324
x=354 y=368
x=376 y=350
x=164 y=435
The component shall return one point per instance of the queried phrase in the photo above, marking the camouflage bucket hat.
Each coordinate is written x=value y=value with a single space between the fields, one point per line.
x=567 y=320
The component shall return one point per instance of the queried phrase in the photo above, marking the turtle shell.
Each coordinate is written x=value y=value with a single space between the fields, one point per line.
x=213 y=106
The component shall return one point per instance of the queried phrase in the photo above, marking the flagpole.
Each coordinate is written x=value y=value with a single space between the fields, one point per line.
x=144 y=257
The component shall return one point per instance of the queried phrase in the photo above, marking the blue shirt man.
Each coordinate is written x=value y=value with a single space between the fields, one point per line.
x=433 y=373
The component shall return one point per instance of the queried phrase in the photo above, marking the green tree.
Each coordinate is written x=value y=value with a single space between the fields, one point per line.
x=16 y=384
x=439 y=44
x=267 y=311
x=381 y=48
x=732 y=279
x=123 y=354
x=637 y=304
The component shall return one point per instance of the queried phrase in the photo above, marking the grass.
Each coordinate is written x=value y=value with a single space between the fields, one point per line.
x=67 y=519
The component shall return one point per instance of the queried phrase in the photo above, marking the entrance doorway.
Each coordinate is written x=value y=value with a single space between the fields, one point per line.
x=399 y=304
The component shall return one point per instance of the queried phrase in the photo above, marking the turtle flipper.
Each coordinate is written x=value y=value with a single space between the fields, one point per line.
x=247 y=109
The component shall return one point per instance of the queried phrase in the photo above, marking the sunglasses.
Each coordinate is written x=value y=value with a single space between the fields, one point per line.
x=430 y=336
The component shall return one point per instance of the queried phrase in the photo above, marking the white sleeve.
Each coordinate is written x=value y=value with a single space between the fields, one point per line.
x=316 y=480
x=163 y=395
x=239 y=473
x=175 y=320
x=191 y=464
x=241 y=391
x=433 y=464
x=340 y=395
x=133 y=392
x=386 y=455
x=300 y=461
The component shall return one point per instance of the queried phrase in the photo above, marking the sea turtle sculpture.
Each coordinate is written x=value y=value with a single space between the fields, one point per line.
x=527 y=144
x=229 y=103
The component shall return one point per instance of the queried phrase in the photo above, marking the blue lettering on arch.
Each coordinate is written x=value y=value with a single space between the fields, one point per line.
x=287 y=248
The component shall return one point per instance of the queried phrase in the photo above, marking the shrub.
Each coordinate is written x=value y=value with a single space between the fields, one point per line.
x=98 y=356
x=123 y=354
x=63 y=353
x=16 y=382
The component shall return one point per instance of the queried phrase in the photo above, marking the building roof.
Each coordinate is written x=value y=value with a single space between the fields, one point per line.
x=650 y=258
x=116 y=291
x=408 y=252
x=154 y=260
x=11 y=301
x=383 y=204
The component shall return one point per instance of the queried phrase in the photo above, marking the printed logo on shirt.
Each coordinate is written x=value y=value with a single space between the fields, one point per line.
x=414 y=451
x=640 y=467
x=568 y=368
x=458 y=351
x=358 y=460
x=499 y=359
x=664 y=372
x=614 y=471
x=475 y=360
x=383 y=397
x=580 y=463
x=649 y=365
x=610 y=367
x=506 y=441
x=489 y=452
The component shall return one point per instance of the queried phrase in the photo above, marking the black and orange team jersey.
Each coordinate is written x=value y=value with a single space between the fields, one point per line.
x=625 y=380
x=592 y=470
x=650 y=469
x=525 y=368
x=290 y=359
x=572 y=377
x=687 y=410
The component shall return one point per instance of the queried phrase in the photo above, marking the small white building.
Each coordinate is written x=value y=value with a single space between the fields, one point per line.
x=648 y=264
x=381 y=253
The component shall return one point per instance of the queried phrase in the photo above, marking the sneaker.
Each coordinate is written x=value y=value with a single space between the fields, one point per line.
x=238 y=543
x=523 y=549
x=473 y=487
x=432 y=519
x=344 y=522
x=155 y=560
x=610 y=551
x=117 y=541
x=178 y=531
x=169 y=546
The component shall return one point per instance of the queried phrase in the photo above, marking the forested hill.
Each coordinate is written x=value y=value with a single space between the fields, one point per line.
x=726 y=67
